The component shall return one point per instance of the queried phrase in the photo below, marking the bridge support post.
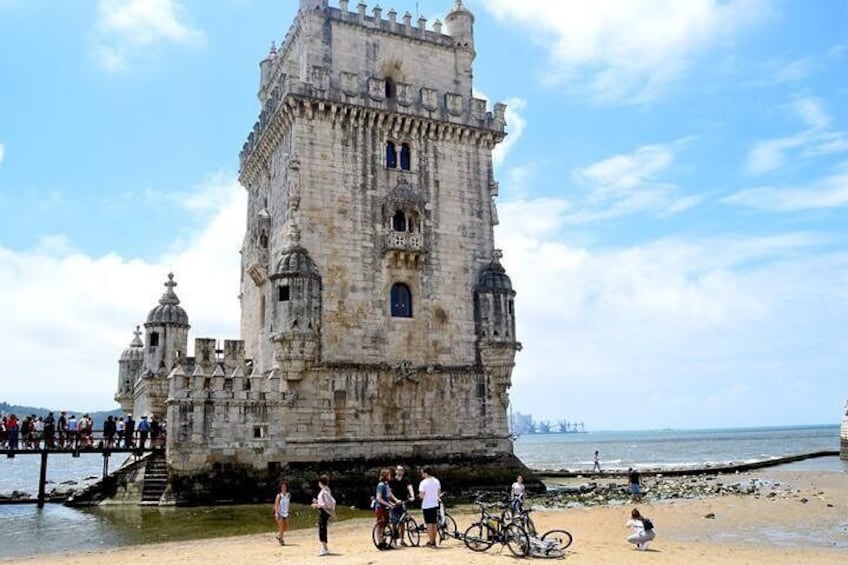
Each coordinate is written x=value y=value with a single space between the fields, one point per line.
x=42 y=479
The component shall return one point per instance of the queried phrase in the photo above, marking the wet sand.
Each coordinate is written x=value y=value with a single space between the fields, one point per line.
x=804 y=521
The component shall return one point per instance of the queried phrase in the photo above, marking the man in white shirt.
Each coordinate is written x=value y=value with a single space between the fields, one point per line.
x=429 y=490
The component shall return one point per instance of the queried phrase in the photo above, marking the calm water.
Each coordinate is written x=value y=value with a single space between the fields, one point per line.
x=27 y=530
x=673 y=448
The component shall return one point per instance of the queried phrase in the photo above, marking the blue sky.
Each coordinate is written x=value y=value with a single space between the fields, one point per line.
x=673 y=195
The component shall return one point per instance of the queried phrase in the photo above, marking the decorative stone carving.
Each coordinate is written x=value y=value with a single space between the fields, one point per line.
x=453 y=103
x=377 y=89
x=429 y=98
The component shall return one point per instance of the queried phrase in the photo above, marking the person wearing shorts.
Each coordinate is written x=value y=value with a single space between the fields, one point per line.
x=429 y=490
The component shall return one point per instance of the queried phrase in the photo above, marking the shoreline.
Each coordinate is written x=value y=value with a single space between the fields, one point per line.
x=798 y=517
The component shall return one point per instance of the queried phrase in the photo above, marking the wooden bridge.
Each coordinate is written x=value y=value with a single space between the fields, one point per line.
x=98 y=447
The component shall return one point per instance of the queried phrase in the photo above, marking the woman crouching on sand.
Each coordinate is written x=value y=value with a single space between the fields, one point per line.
x=643 y=530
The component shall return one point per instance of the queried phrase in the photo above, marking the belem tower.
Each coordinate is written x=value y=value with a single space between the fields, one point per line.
x=377 y=322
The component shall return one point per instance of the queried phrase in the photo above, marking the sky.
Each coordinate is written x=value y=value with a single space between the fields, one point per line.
x=673 y=195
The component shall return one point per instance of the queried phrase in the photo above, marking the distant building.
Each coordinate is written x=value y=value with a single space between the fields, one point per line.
x=843 y=452
x=377 y=323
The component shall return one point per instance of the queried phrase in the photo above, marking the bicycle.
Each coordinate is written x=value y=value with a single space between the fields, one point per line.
x=386 y=535
x=552 y=544
x=445 y=524
x=491 y=529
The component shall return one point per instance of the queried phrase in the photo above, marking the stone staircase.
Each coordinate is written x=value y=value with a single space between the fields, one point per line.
x=155 y=479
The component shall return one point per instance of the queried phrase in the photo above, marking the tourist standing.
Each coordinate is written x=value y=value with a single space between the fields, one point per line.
x=62 y=429
x=72 y=431
x=155 y=432
x=49 y=431
x=119 y=432
x=384 y=502
x=643 y=530
x=597 y=467
x=429 y=490
x=635 y=485
x=129 y=432
x=402 y=492
x=143 y=431
x=281 y=511
x=326 y=505
x=12 y=432
x=516 y=496
x=109 y=429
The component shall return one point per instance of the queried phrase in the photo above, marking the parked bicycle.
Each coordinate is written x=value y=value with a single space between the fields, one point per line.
x=388 y=535
x=551 y=544
x=445 y=524
x=491 y=529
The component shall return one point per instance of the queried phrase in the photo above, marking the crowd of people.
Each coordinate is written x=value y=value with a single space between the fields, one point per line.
x=69 y=432
x=394 y=491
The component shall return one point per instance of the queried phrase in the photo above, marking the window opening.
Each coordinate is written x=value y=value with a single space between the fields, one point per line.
x=391 y=155
x=263 y=241
x=154 y=339
x=391 y=88
x=262 y=310
x=399 y=221
x=404 y=156
x=284 y=293
x=401 y=301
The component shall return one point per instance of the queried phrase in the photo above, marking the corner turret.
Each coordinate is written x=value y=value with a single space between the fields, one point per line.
x=129 y=369
x=460 y=26
x=311 y=5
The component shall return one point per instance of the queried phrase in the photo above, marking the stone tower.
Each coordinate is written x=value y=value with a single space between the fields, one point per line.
x=370 y=280
x=377 y=322
x=130 y=368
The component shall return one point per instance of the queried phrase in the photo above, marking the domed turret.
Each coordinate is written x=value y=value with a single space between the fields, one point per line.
x=494 y=303
x=169 y=309
x=135 y=351
x=166 y=331
x=129 y=369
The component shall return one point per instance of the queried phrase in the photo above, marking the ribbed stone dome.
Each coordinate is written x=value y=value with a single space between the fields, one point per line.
x=296 y=261
x=169 y=310
x=494 y=278
x=135 y=352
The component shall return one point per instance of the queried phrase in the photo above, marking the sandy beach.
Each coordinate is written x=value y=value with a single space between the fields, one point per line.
x=802 y=518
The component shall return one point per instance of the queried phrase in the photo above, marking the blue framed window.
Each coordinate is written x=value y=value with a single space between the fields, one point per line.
x=404 y=156
x=401 y=301
x=391 y=155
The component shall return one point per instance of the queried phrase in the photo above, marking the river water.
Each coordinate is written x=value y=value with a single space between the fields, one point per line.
x=28 y=530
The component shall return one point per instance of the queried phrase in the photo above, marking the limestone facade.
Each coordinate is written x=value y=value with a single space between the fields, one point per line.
x=377 y=322
x=843 y=436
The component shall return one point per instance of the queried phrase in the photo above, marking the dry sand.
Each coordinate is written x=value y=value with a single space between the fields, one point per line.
x=781 y=529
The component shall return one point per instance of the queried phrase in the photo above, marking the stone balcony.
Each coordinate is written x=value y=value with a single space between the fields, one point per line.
x=405 y=248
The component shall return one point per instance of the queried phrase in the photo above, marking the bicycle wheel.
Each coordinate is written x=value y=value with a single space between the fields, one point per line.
x=479 y=537
x=447 y=529
x=517 y=540
x=381 y=535
x=562 y=538
x=413 y=534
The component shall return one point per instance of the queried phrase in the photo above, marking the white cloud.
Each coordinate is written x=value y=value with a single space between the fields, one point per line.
x=828 y=192
x=630 y=183
x=815 y=140
x=2 y=153
x=126 y=29
x=628 y=51
x=72 y=314
x=674 y=320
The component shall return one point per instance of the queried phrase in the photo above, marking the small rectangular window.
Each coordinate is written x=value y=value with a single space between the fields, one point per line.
x=285 y=293
x=154 y=339
x=257 y=432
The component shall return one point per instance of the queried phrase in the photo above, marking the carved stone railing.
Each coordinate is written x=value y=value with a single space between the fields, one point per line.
x=405 y=241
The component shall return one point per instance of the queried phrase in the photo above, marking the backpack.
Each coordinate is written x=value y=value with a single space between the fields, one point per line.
x=647 y=524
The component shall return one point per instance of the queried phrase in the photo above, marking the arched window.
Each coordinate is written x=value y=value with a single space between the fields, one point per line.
x=401 y=301
x=391 y=89
x=404 y=156
x=399 y=221
x=263 y=241
x=391 y=155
